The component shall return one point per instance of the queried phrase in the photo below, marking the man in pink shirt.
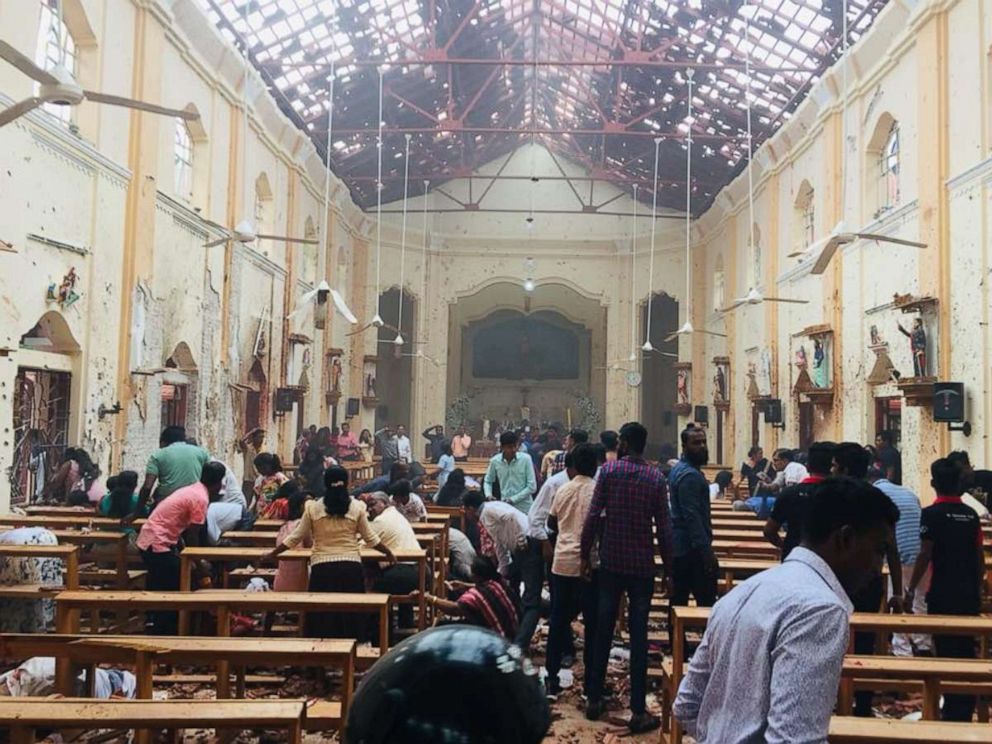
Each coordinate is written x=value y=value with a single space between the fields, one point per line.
x=460 y=444
x=347 y=443
x=178 y=518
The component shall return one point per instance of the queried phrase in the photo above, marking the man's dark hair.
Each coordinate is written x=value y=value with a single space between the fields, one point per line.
x=945 y=477
x=600 y=453
x=723 y=479
x=569 y=460
x=959 y=457
x=886 y=436
x=635 y=435
x=584 y=459
x=753 y=451
x=609 y=439
x=842 y=501
x=821 y=456
x=212 y=473
x=508 y=437
x=684 y=436
x=402 y=487
x=579 y=436
x=784 y=453
x=172 y=434
x=853 y=459
x=396 y=469
x=473 y=499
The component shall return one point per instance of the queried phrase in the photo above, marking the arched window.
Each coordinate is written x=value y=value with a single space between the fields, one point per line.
x=888 y=170
x=56 y=48
x=804 y=217
x=263 y=205
x=754 y=271
x=719 y=288
x=182 y=151
x=883 y=166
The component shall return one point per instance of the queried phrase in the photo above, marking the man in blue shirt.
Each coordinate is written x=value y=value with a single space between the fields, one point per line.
x=908 y=544
x=515 y=473
x=695 y=565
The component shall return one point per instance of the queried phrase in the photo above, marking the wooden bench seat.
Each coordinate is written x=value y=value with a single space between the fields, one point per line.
x=324 y=715
x=24 y=715
x=845 y=730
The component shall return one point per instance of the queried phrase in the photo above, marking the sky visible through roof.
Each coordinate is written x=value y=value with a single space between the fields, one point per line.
x=617 y=82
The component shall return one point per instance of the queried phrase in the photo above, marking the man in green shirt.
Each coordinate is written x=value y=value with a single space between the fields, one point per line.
x=515 y=473
x=174 y=465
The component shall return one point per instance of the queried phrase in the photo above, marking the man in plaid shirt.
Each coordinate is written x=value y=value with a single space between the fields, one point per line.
x=630 y=495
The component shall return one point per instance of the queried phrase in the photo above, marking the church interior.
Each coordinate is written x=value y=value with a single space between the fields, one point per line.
x=252 y=219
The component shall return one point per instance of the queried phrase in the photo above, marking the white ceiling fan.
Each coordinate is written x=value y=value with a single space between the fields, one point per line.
x=753 y=296
x=323 y=289
x=244 y=231
x=686 y=329
x=57 y=86
x=825 y=248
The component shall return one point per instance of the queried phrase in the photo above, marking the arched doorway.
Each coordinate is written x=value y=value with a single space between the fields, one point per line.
x=394 y=370
x=46 y=359
x=658 y=378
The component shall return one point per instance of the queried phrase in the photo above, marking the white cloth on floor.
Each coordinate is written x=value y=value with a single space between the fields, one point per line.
x=36 y=678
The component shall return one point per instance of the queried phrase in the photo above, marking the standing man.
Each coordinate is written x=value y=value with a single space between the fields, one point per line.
x=575 y=436
x=695 y=566
x=851 y=459
x=518 y=556
x=629 y=496
x=793 y=502
x=908 y=545
x=388 y=447
x=570 y=591
x=951 y=542
x=178 y=517
x=435 y=437
x=460 y=444
x=976 y=485
x=770 y=661
x=404 y=449
x=347 y=443
x=174 y=465
x=515 y=473
x=889 y=458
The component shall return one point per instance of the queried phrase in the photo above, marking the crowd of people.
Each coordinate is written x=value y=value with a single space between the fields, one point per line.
x=588 y=523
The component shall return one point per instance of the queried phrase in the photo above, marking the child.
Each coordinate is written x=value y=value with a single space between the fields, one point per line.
x=278 y=507
x=291 y=576
x=270 y=479
x=951 y=540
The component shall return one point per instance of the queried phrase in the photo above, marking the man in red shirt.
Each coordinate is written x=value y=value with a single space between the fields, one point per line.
x=347 y=443
x=177 y=519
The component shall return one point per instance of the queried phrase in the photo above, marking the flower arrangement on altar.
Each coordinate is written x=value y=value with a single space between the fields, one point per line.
x=458 y=409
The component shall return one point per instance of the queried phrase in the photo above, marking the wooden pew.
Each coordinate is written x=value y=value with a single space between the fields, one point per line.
x=844 y=730
x=68 y=554
x=144 y=652
x=695 y=618
x=935 y=674
x=744 y=549
x=22 y=716
x=229 y=555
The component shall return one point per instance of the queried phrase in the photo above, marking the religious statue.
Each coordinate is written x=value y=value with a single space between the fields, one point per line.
x=336 y=372
x=370 y=385
x=876 y=337
x=802 y=363
x=765 y=381
x=682 y=386
x=720 y=385
x=752 y=384
x=819 y=364
x=917 y=345
x=66 y=293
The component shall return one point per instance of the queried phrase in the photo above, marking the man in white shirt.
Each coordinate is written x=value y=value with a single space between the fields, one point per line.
x=788 y=472
x=403 y=447
x=518 y=556
x=769 y=664
x=462 y=554
x=230 y=492
x=223 y=516
x=407 y=503
x=396 y=533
